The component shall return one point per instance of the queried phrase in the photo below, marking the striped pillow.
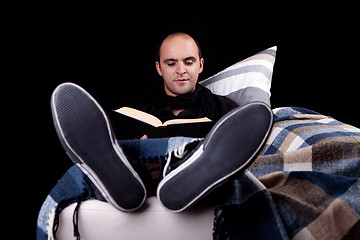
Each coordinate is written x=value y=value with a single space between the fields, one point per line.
x=246 y=81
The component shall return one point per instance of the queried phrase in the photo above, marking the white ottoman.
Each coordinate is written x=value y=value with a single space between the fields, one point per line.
x=99 y=220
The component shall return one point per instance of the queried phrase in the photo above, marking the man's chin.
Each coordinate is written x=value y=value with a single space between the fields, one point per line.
x=183 y=90
x=180 y=89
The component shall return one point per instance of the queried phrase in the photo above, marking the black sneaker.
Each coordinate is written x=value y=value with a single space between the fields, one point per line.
x=87 y=137
x=230 y=147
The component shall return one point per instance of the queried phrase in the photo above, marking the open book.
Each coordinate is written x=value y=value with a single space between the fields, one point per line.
x=132 y=123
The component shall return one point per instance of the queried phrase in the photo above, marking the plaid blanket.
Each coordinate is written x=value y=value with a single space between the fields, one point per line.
x=304 y=185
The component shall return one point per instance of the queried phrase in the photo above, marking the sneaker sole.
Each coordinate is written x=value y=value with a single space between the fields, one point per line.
x=86 y=135
x=216 y=160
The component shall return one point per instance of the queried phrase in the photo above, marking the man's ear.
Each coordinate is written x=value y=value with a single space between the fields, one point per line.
x=201 y=65
x=158 y=68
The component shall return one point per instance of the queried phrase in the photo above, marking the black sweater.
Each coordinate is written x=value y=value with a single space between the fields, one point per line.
x=200 y=103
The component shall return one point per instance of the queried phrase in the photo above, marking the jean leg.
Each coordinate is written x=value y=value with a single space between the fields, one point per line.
x=148 y=157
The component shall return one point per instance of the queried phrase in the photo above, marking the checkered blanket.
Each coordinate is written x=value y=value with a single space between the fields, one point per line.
x=304 y=185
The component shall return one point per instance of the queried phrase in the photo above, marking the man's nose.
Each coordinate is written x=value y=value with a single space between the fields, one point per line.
x=181 y=69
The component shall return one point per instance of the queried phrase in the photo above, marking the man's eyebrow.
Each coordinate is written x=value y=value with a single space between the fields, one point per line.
x=190 y=59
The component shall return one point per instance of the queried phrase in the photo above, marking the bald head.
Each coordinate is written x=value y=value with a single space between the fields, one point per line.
x=179 y=64
x=179 y=35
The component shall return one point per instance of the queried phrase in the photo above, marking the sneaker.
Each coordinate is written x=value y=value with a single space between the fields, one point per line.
x=230 y=147
x=87 y=137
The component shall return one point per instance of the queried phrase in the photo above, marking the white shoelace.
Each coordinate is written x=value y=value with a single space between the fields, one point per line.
x=178 y=153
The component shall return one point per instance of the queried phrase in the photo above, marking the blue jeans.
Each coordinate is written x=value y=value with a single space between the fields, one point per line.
x=149 y=156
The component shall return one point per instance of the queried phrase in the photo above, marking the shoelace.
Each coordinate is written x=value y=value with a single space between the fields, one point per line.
x=178 y=153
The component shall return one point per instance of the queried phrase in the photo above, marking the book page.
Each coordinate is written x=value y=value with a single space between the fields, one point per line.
x=140 y=115
x=180 y=121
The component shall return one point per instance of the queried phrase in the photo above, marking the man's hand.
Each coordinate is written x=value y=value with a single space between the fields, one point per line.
x=144 y=137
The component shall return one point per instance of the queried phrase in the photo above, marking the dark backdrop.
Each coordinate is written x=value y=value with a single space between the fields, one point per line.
x=111 y=52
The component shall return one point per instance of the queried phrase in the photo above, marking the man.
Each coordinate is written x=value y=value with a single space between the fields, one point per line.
x=86 y=134
x=179 y=64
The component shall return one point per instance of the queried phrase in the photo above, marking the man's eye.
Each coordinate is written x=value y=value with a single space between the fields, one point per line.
x=189 y=63
x=171 y=64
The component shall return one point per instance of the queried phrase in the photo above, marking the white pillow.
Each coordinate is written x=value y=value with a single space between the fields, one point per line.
x=246 y=81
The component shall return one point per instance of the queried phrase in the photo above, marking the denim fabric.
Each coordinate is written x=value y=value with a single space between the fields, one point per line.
x=149 y=156
x=154 y=147
x=70 y=188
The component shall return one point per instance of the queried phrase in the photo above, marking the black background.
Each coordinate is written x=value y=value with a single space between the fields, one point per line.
x=110 y=51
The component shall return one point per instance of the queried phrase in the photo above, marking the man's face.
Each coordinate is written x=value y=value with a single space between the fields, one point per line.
x=179 y=65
